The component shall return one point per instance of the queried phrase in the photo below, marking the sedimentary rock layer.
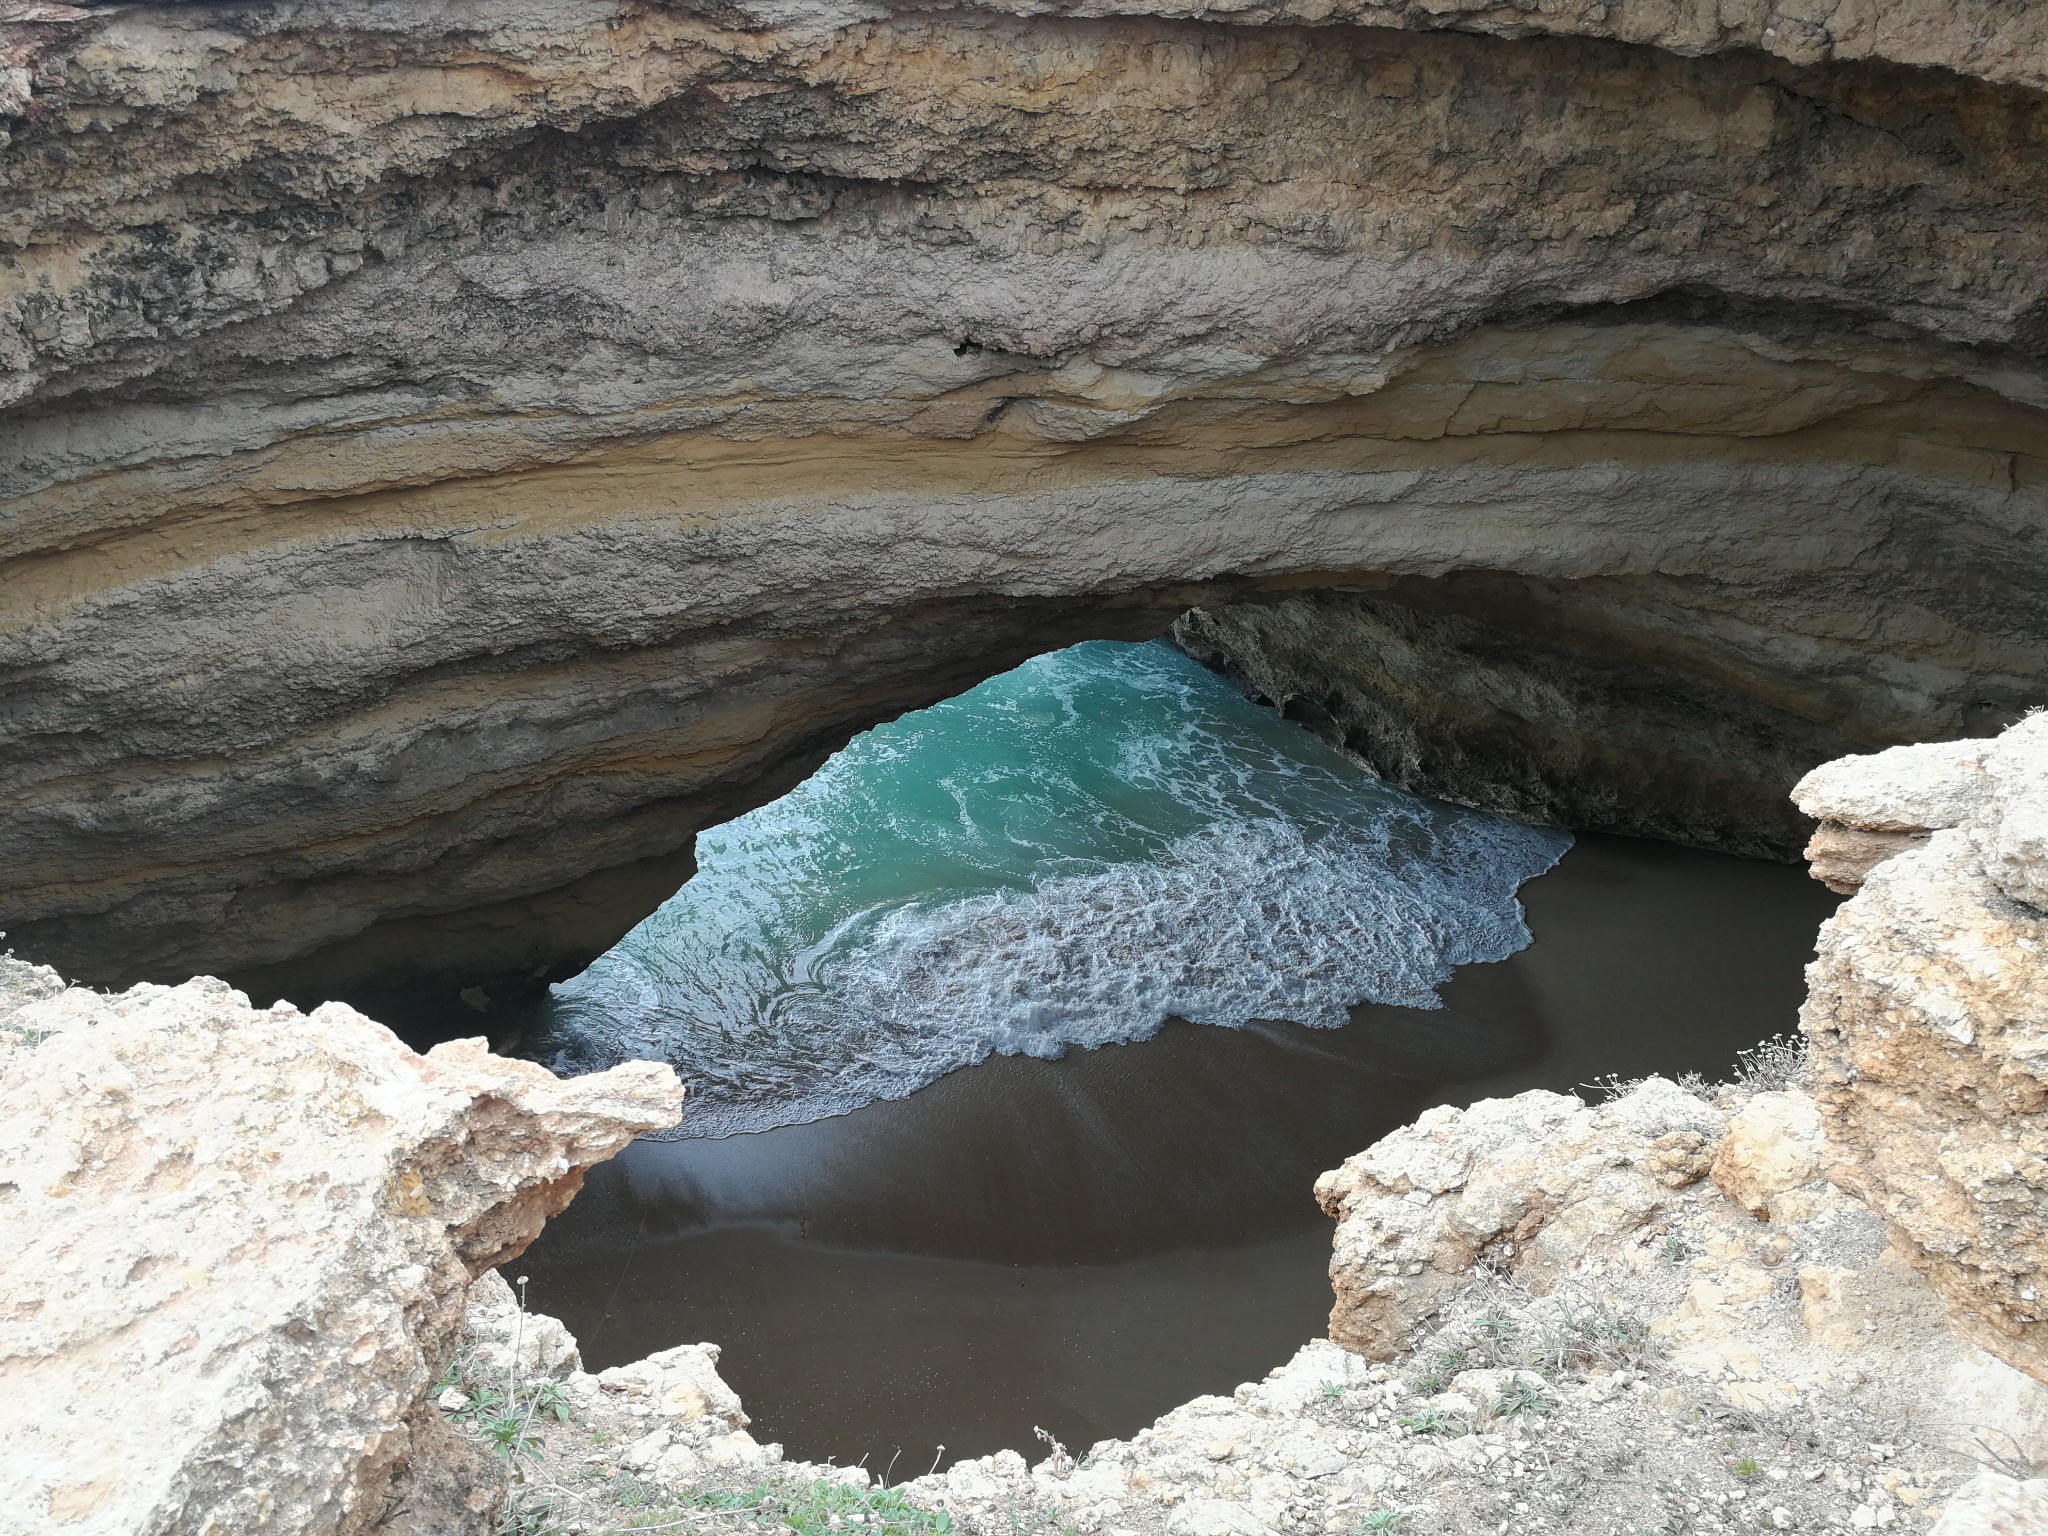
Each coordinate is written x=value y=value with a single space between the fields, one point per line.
x=239 y=1245
x=456 y=453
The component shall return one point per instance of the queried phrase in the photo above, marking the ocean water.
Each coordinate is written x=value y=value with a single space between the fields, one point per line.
x=1067 y=855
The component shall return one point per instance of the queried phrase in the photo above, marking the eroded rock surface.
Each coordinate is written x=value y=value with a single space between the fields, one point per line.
x=238 y=1249
x=1928 y=1012
x=1530 y=1183
x=1992 y=1504
x=458 y=452
x=1656 y=1352
x=1607 y=704
x=1870 y=808
x=1772 y=1149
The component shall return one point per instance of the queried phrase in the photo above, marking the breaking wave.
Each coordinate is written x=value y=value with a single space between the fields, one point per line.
x=1064 y=856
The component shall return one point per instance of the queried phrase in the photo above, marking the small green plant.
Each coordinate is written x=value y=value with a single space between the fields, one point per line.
x=549 y=1398
x=629 y=1491
x=1674 y=1248
x=503 y=1410
x=724 y=1502
x=1496 y=1328
x=1587 y=1331
x=824 y=1508
x=1333 y=1391
x=507 y=1423
x=1613 y=1338
x=526 y=1519
x=1746 y=1467
x=1521 y=1399
x=1438 y=1373
x=509 y=1433
x=1434 y=1421
x=1381 y=1521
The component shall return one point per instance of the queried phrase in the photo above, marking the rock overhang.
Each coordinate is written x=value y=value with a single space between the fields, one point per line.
x=456 y=458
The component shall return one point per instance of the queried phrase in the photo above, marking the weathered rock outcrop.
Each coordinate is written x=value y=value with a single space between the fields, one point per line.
x=1870 y=808
x=1763 y=1290
x=1928 y=1013
x=238 y=1249
x=1661 y=1350
x=1533 y=1184
x=455 y=453
x=1992 y=1504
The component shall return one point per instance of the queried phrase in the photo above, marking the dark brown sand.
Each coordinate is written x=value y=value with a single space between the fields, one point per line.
x=1083 y=1244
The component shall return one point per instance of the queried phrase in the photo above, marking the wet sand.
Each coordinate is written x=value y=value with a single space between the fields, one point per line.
x=1083 y=1244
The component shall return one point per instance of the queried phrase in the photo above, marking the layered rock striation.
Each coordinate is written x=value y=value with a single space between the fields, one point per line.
x=1587 y=703
x=239 y=1249
x=452 y=454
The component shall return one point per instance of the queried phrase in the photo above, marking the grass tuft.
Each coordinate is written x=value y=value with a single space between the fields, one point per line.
x=1775 y=1065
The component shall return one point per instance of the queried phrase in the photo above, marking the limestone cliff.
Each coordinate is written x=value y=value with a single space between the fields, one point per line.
x=239 y=1246
x=1527 y=1184
x=1928 y=1009
x=455 y=452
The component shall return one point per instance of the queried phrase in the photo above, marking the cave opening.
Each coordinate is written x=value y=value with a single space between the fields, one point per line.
x=462 y=460
x=913 y=1216
x=1648 y=704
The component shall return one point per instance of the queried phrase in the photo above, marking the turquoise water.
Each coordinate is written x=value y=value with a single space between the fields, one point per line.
x=1065 y=855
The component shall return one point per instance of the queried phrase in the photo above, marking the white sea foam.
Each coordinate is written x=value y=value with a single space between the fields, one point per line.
x=1240 y=922
x=1305 y=887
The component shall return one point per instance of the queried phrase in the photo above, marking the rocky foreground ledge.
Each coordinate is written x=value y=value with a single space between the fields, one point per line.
x=1654 y=1315
x=238 y=1247
x=248 y=1281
